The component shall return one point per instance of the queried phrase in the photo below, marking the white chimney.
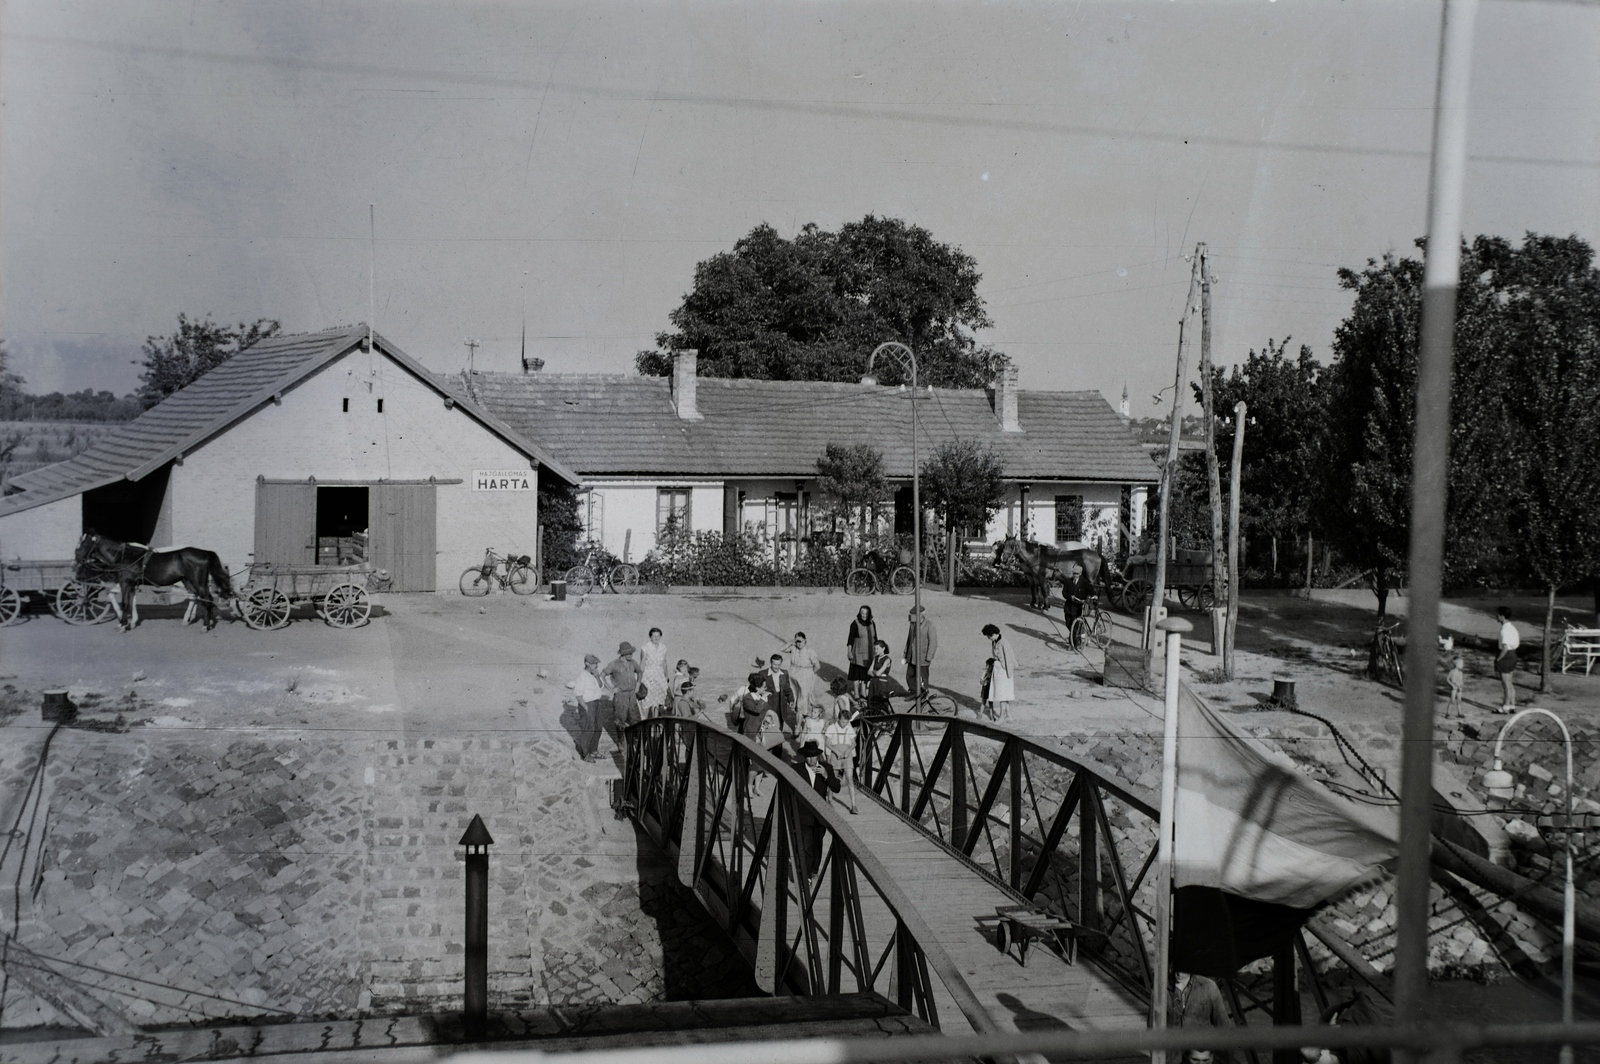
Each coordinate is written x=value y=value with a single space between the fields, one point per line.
x=1005 y=398
x=684 y=364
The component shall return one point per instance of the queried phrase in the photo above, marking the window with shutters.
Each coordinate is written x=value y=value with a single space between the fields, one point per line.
x=1069 y=518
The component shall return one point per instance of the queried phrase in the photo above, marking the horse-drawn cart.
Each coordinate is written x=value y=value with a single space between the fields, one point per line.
x=1189 y=573
x=338 y=594
x=53 y=583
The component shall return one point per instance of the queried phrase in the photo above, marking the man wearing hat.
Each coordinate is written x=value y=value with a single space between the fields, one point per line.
x=591 y=703
x=623 y=676
x=817 y=772
x=922 y=642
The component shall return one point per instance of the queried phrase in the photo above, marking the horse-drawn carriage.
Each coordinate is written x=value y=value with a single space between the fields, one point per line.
x=1189 y=573
x=53 y=584
x=337 y=593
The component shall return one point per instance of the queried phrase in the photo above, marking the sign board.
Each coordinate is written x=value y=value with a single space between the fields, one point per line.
x=502 y=480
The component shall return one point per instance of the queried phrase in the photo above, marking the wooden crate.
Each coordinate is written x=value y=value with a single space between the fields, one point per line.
x=1126 y=667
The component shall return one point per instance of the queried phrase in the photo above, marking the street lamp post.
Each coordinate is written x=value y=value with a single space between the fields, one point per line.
x=907 y=356
x=1501 y=785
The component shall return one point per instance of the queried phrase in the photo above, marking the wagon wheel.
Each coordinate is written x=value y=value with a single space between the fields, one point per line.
x=267 y=607
x=78 y=603
x=346 y=606
x=1207 y=596
x=10 y=606
x=522 y=580
x=580 y=580
x=1197 y=596
x=860 y=582
x=1136 y=594
x=625 y=579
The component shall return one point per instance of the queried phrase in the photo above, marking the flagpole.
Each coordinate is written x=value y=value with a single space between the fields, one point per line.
x=1174 y=627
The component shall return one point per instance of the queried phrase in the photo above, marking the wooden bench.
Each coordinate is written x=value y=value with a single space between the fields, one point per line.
x=1022 y=924
x=1580 y=644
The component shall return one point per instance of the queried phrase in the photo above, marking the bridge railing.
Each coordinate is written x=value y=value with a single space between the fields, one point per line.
x=811 y=909
x=1057 y=831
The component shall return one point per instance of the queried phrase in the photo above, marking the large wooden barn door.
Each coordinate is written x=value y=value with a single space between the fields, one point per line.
x=403 y=531
x=286 y=523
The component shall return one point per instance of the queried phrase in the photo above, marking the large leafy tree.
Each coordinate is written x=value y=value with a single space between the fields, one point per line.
x=964 y=483
x=1282 y=463
x=199 y=346
x=1365 y=491
x=1551 y=329
x=812 y=308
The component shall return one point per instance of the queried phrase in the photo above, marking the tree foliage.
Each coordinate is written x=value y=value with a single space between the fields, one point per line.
x=812 y=308
x=199 y=346
x=964 y=483
x=851 y=482
x=1282 y=463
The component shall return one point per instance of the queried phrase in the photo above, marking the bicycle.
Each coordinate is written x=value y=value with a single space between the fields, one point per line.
x=511 y=571
x=863 y=579
x=1091 y=625
x=622 y=578
x=1390 y=655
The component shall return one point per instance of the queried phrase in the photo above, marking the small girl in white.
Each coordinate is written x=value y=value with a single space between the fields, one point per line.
x=839 y=738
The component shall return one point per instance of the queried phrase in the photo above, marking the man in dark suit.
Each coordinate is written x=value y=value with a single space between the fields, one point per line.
x=820 y=775
x=783 y=693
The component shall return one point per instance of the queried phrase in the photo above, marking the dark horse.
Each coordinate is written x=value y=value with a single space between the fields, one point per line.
x=130 y=564
x=1076 y=567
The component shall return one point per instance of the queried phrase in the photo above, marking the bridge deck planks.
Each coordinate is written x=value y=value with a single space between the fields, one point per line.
x=950 y=896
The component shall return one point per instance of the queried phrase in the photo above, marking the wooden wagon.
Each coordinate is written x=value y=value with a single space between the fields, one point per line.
x=338 y=593
x=1189 y=573
x=54 y=584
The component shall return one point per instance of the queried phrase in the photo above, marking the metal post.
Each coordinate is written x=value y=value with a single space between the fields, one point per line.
x=1285 y=1000
x=1174 y=627
x=475 y=997
x=1428 y=472
x=958 y=788
x=1088 y=856
x=910 y=357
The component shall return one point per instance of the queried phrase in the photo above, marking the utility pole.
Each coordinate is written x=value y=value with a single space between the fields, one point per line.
x=1220 y=574
x=472 y=354
x=1231 y=625
x=1169 y=474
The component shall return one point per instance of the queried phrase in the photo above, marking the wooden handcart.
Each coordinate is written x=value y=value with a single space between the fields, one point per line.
x=53 y=584
x=338 y=593
x=1021 y=924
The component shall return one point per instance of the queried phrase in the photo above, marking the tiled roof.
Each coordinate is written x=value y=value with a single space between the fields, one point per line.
x=211 y=404
x=603 y=425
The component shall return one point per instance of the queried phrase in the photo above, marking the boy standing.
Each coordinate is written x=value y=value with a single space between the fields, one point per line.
x=1457 y=679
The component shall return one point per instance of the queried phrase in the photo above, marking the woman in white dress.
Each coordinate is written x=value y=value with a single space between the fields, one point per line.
x=1002 y=676
x=803 y=663
x=653 y=660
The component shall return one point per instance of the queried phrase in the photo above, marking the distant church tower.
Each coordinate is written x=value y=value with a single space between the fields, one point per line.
x=1123 y=408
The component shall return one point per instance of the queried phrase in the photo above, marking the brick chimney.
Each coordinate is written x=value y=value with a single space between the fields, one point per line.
x=1005 y=398
x=684 y=364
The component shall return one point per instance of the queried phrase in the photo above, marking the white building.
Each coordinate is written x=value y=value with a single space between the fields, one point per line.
x=726 y=455
x=293 y=451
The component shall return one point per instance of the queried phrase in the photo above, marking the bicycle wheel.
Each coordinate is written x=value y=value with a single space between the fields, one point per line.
x=624 y=579
x=861 y=582
x=477 y=581
x=1079 y=634
x=522 y=580
x=580 y=580
x=1100 y=631
x=903 y=581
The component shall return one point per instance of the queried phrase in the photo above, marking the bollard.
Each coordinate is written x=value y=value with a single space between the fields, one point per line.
x=58 y=707
x=475 y=998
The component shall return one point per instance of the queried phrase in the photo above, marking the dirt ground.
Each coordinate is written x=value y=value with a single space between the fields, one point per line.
x=265 y=786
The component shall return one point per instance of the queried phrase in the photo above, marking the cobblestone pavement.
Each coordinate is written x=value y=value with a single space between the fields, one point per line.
x=190 y=875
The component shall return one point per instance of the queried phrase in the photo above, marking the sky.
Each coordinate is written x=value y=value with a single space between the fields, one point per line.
x=448 y=168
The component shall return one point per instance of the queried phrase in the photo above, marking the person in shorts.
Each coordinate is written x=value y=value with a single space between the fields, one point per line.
x=1505 y=661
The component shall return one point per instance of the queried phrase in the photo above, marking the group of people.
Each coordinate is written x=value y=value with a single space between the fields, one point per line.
x=782 y=704
x=633 y=686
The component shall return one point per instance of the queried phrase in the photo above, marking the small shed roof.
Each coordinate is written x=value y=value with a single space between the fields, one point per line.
x=618 y=425
x=218 y=400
